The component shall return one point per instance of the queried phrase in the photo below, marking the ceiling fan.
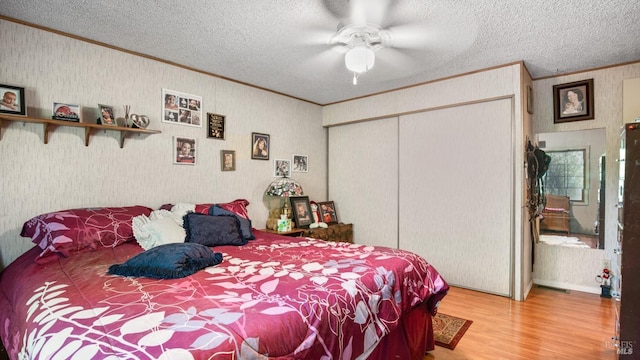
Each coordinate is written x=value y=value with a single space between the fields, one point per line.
x=366 y=26
x=361 y=33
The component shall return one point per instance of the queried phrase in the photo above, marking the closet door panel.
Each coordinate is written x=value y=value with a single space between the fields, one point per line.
x=456 y=192
x=363 y=179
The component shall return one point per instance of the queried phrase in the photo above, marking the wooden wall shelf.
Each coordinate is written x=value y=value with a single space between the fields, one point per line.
x=89 y=129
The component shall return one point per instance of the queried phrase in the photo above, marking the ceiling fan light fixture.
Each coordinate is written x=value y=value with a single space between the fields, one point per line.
x=359 y=59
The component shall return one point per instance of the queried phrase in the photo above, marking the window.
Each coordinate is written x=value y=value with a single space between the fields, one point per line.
x=567 y=174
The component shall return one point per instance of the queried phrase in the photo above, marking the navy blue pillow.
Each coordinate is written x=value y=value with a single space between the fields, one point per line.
x=213 y=230
x=168 y=261
x=245 y=224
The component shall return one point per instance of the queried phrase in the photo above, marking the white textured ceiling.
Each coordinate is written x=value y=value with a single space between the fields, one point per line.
x=281 y=45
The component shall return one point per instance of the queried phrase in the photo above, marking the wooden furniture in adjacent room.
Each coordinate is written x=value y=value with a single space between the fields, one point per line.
x=334 y=232
x=556 y=215
x=627 y=292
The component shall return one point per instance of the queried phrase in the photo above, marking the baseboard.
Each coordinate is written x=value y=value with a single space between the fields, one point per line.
x=527 y=290
x=568 y=286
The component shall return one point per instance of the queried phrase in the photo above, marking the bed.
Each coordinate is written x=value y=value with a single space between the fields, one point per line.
x=556 y=215
x=272 y=297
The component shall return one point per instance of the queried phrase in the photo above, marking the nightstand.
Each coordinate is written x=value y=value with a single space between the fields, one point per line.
x=293 y=232
x=335 y=232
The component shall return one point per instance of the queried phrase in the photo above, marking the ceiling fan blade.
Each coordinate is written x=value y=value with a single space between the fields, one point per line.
x=433 y=35
x=315 y=36
x=437 y=26
x=364 y=12
x=326 y=62
x=338 y=8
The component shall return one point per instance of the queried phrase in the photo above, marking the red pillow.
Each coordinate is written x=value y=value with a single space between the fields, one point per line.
x=200 y=208
x=238 y=206
x=66 y=232
x=203 y=208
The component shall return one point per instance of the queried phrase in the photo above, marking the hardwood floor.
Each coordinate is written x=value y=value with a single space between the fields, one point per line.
x=550 y=324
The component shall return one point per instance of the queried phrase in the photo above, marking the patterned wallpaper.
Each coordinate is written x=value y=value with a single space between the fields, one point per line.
x=39 y=178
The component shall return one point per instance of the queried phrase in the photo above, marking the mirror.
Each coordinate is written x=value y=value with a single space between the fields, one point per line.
x=575 y=188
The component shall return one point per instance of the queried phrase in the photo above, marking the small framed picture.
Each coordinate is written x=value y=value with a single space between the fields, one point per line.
x=328 y=212
x=215 y=126
x=12 y=100
x=300 y=163
x=66 y=112
x=301 y=211
x=573 y=101
x=184 y=150
x=260 y=146
x=281 y=168
x=106 y=115
x=181 y=108
x=228 y=160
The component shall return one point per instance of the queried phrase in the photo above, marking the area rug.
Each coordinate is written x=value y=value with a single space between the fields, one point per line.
x=448 y=330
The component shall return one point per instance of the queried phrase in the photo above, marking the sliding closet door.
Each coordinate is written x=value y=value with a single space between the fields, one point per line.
x=363 y=179
x=456 y=191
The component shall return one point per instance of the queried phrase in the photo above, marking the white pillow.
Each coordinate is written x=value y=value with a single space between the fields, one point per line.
x=181 y=209
x=161 y=227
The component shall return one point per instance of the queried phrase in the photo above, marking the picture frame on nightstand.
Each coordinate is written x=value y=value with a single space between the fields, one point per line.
x=328 y=212
x=301 y=209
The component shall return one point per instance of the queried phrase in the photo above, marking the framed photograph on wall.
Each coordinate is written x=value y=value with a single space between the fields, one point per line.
x=12 y=100
x=573 y=101
x=300 y=163
x=301 y=209
x=181 y=108
x=228 y=160
x=215 y=126
x=260 y=146
x=328 y=212
x=106 y=115
x=281 y=168
x=184 y=150
x=66 y=112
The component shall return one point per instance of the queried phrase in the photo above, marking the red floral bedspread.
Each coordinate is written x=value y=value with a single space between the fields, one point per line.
x=275 y=297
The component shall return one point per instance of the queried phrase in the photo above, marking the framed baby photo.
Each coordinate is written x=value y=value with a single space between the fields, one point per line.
x=573 y=101
x=184 y=150
x=66 y=112
x=228 y=160
x=260 y=146
x=301 y=210
x=12 y=100
x=328 y=213
x=106 y=115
